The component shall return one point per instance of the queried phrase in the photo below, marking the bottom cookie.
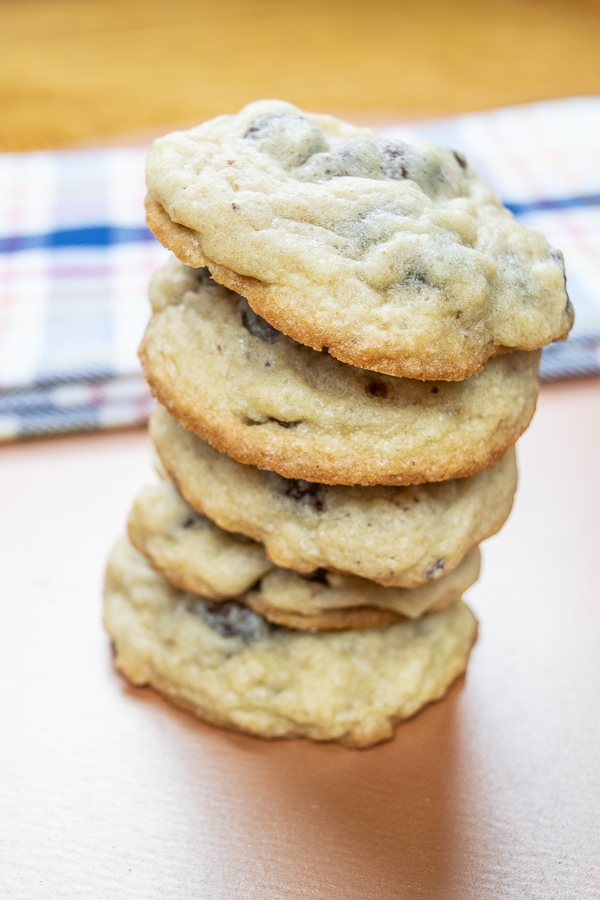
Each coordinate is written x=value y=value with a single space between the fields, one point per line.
x=229 y=666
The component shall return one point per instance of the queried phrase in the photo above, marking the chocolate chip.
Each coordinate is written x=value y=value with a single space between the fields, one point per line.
x=257 y=326
x=559 y=259
x=193 y=521
x=402 y=161
x=358 y=158
x=267 y=122
x=249 y=421
x=234 y=206
x=435 y=390
x=289 y=138
x=231 y=619
x=319 y=576
x=394 y=158
x=378 y=389
x=306 y=492
x=415 y=279
x=460 y=159
x=435 y=569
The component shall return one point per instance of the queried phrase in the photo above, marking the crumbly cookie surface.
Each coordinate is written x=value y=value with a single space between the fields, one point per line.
x=176 y=539
x=394 y=256
x=269 y=401
x=402 y=536
x=198 y=556
x=227 y=665
x=331 y=602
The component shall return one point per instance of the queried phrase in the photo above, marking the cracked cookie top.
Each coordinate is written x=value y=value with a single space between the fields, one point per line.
x=396 y=257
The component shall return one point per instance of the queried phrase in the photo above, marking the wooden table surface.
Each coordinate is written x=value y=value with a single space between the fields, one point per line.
x=73 y=71
x=108 y=792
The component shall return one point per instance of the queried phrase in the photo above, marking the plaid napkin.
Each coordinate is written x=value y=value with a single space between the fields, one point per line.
x=76 y=256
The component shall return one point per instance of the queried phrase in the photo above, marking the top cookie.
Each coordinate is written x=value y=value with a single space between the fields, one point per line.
x=394 y=256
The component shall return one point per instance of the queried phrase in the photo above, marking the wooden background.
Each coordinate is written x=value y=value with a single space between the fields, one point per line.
x=73 y=71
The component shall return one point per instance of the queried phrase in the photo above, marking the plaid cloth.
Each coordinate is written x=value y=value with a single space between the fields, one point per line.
x=76 y=256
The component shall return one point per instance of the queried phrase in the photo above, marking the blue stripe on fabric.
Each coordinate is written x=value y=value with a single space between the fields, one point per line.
x=580 y=355
x=89 y=236
x=109 y=235
x=521 y=209
x=51 y=421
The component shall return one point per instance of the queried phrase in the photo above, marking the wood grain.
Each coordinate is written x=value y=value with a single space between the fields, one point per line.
x=74 y=71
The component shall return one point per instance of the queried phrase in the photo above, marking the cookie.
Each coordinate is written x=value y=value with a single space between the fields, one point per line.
x=227 y=665
x=269 y=401
x=355 y=618
x=175 y=538
x=394 y=256
x=197 y=556
x=396 y=536
x=329 y=601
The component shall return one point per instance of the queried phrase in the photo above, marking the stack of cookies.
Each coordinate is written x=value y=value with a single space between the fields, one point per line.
x=344 y=349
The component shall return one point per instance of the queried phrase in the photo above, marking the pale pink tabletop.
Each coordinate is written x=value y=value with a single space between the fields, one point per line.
x=108 y=792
